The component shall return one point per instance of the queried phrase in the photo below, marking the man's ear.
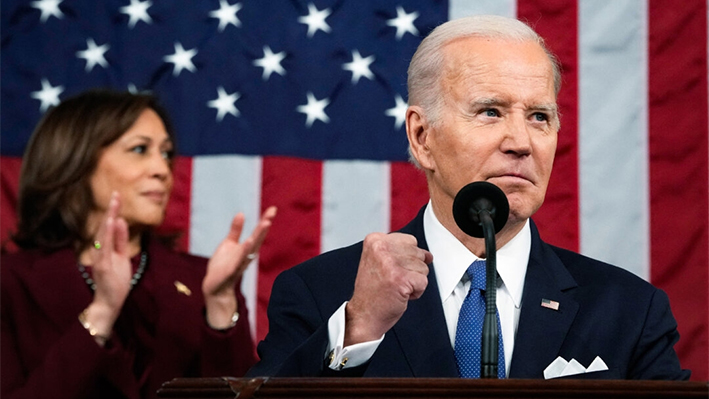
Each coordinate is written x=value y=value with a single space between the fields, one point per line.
x=418 y=131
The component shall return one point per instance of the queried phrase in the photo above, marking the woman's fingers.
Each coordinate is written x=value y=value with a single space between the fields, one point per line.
x=237 y=226
x=120 y=236
x=263 y=226
x=253 y=243
x=104 y=238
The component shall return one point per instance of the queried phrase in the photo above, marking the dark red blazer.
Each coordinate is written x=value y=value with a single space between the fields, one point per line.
x=161 y=333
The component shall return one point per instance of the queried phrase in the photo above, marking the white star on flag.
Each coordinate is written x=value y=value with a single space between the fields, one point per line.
x=271 y=62
x=359 y=67
x=404 y=22
x=182 y=59
x=133 y=89
x=226 y=14
x=138 y=11
x=398 y=112
x=49 y=8
x=316 y=20
x=49 y=96
x=93 y=54
x=314 y=109
x=224 y=103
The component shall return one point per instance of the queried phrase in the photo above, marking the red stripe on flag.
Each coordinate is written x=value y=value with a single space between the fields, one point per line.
x=295 y=187
x=9 y=186
x=177 y=214
x=679 y=181
x=557 y=21
x=409 y=192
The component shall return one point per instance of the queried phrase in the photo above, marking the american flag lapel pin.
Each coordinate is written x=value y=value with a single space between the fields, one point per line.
x=549 y=304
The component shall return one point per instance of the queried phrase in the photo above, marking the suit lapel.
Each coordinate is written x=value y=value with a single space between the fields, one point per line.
x=541 y=330
x=423 y=335
x=421 y=331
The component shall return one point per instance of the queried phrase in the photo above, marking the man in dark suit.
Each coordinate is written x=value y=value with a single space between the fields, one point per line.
x=482 y=107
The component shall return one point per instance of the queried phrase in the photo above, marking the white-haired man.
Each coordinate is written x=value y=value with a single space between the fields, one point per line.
x=482 y=107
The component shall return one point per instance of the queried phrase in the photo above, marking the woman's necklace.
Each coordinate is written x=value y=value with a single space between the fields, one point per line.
x=133 y=281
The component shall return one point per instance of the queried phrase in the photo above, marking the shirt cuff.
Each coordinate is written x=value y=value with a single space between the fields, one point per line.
x=351 y=356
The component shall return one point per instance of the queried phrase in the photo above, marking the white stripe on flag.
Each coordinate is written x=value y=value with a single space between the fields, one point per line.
x=223 y=186
x=613 y=133
x=463 y=8
x=355 y=201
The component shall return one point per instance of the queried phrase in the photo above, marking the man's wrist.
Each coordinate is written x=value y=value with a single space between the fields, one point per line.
x=340 y=357
x=358 y=330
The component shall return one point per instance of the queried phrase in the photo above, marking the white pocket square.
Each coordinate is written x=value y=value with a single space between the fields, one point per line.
x=561 y=368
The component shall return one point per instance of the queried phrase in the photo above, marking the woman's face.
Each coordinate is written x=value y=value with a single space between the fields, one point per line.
x=137 y=166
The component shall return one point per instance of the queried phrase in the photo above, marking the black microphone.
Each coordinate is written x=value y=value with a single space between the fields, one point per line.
x=481 y=210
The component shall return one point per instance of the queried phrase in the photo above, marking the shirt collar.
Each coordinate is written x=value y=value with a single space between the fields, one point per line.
x=451 y=258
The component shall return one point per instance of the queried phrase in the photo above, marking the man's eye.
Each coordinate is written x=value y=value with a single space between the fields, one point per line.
x=540 y=117
x=493 y=113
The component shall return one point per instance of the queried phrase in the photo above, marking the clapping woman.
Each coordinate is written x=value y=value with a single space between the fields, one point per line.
x=94 y=305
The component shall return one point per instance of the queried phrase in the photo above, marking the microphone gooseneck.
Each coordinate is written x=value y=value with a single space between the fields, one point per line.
x=481 y=210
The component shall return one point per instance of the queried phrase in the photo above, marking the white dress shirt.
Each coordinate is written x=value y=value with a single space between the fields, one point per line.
x=450 y=261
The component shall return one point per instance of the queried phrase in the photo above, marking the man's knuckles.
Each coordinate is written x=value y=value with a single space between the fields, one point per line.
x=393 y=242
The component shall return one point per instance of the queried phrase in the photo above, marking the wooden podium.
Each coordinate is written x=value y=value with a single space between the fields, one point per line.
x=264 y=387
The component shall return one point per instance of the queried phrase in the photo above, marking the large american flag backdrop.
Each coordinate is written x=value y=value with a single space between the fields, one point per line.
x=300 y=104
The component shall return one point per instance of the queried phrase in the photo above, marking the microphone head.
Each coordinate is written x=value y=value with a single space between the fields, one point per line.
x=474 y=198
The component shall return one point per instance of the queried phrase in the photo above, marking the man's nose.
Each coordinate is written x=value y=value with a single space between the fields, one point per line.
x=517 y=137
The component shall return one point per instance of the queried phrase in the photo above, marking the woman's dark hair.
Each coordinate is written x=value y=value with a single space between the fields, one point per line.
x=55 y=196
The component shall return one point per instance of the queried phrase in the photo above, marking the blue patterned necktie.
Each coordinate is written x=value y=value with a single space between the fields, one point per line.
x=470 y=327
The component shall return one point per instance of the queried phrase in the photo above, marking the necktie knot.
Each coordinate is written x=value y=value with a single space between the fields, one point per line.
x=476 y=273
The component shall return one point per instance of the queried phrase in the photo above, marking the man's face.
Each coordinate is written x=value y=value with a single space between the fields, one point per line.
x=498 y=123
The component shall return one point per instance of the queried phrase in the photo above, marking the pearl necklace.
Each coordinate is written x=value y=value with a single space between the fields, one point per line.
x=133 y=281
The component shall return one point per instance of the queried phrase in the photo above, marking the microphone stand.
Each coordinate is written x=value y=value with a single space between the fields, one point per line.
x=490 y=337
x=481 y=209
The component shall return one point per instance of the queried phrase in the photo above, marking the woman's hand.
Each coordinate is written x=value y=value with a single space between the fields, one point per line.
x=111 y=272
x=226 y=267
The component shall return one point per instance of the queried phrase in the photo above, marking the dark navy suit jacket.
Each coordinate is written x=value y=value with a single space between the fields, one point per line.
x=603 y=311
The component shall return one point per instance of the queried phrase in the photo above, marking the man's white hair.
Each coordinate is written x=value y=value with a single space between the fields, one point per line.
x=427 y=63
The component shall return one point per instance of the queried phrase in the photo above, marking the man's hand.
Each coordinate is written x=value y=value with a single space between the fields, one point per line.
x=392 y=271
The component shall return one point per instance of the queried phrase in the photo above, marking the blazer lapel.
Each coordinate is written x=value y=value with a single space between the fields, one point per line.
x=542 y=330
x=421 y=331
x=55 y=283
